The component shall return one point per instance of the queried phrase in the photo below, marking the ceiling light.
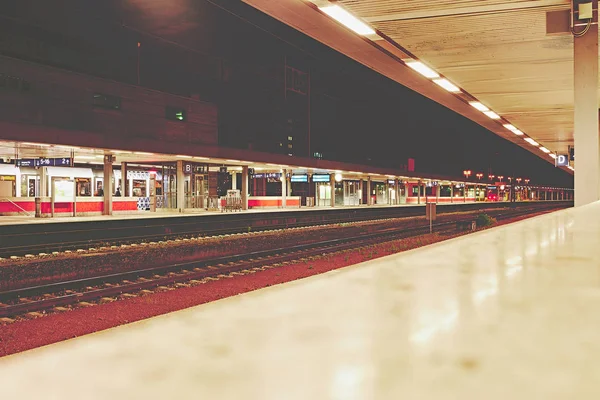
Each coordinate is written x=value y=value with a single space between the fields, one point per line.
x=180 y=156
x=545 y=150
x=142 y=153
x=552 y=155
x=532 y=142
x=233 y=160
x=202 y=158
x=348 y=20
x=492 y=115
x=571 y=168
x=518 y=132
x=446 y=84
x=35 y=144
x=423 y=69
x=86 y=157
x=479 y=106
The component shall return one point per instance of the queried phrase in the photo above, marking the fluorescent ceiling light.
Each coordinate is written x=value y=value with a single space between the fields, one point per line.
x=492 y=115
x=423 y=69
x=348 y=20
x=531 y=141
x=479 y=106
x=180 y=156
x=571 y=168
x=446 y=84
x=513 y=129
x=202 y=158
x=86 y=157
x=545 y=150
x=35 y=144
x=142 y=153
x=233 y=160
x=552 y=155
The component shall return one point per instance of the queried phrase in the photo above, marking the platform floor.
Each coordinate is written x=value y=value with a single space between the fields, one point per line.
x=25 y=219
x=507 y=313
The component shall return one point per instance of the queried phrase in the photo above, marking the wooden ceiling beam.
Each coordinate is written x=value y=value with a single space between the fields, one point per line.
x=551 y=5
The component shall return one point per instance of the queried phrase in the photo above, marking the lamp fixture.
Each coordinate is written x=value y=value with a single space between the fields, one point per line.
x=348 y=20
x=422 y=69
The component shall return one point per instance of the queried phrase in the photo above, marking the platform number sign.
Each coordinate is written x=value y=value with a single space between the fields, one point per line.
x=187 y=168
x=562 y=160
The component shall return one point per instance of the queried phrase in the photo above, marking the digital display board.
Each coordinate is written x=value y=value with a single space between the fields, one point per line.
x=321 y=178
x=299 y=178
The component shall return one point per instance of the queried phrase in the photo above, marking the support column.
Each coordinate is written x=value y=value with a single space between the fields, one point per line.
x=180 y=187
x=332 y=188
x=369 y=202
x=397 y=191
x=419 y=192
x=43 y=183
x=451 y=192
x=233 y=180
x=283 y=188
x=107 y=185
x=245 y=187
x=438 y=189
x=125 y=181
x=465 y=192
x=360 y=190
x=587 y=142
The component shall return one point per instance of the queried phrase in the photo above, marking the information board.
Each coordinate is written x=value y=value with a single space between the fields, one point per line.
x=321 y=178
x=299 y=178
x=44 y=162
x=64 y=191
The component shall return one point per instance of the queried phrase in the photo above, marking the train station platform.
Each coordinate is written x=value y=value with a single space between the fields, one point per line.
x=510 y=312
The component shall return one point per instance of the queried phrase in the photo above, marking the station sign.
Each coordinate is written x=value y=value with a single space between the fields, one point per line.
x=223 y=170
x=44 y=162
x=299 y=178
x=188 y=168
x=321 y=178
x=562 y=160
x=270 y=175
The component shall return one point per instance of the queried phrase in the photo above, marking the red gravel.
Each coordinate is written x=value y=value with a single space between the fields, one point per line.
x=29 y=334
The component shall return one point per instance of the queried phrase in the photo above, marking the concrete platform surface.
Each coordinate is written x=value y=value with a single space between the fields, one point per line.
x=508 y=313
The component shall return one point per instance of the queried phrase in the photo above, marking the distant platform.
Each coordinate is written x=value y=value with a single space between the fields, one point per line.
x=510 y=312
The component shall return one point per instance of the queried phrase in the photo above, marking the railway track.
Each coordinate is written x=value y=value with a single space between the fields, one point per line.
x=60 y=295
x=44 y=239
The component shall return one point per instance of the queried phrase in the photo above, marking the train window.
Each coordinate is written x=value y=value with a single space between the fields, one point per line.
x=106 y=101
x=175 y=114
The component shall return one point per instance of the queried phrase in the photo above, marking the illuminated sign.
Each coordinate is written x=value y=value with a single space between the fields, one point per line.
x=562 y=160
x=299 y=178
x=44 y=162
x=321 y=178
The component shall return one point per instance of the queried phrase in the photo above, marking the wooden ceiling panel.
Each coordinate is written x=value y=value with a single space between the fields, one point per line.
x=497 y=50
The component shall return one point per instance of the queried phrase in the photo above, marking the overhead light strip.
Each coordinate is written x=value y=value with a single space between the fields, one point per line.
x=348 y=20
x=531 y=141
x=446 y=84
x=423 y=69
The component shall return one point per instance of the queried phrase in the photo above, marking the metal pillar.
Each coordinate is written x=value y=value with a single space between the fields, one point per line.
x=245 y=187
x=43 y=182
x=451 y=192
x=437 y=193
x=587 y=142
x=107 y=185
x=283 y=188
x=360 y=190
x=419 y=192
x=124 y=180
x=369 y=202
x=180 y=187
x=332 y=188
x=397 y=191
x=233 y=181
x=465 y=192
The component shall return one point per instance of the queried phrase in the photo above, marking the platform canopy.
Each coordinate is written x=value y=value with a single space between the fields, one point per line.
x=496 y=52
